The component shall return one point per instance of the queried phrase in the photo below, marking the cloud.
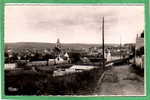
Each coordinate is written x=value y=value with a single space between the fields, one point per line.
x=80 y=23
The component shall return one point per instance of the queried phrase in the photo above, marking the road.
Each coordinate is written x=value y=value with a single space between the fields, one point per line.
x=120 y=81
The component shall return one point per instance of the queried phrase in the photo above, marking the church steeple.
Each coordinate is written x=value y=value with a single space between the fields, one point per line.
x=58 y=44
x=58 y=41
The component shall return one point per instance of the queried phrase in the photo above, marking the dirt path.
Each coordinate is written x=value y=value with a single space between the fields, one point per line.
x=121 y=81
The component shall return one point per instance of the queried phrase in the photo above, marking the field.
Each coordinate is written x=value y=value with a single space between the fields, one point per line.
x=29 y=82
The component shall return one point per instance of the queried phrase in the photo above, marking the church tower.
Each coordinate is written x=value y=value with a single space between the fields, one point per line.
x=58 y=44
x=57 y=48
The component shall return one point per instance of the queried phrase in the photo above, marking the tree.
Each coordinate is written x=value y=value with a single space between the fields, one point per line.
x=57 y=51
x=75 y=57
x=142 y=34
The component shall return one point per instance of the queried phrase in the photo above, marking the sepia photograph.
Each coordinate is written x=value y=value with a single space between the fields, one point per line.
x=74 y=50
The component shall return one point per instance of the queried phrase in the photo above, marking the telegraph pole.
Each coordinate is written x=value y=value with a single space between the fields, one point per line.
x=120 y=47
x=103 y=46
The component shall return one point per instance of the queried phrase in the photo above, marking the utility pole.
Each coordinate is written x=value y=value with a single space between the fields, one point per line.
x=103 y=46
x=120 y=47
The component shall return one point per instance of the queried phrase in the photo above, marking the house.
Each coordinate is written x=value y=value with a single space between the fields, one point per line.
x=59 y=60
x=10 y=66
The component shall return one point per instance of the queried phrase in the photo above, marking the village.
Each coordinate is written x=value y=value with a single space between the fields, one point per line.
x=58 y=64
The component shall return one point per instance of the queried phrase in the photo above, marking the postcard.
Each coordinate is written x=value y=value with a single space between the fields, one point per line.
x=65 y=50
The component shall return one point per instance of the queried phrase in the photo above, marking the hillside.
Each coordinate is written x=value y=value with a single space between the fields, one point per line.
x=38 y=45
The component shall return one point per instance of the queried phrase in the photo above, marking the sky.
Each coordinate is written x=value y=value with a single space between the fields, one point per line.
x=73 y=23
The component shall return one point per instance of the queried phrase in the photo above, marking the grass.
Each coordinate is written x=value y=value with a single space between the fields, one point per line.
x=29 y=82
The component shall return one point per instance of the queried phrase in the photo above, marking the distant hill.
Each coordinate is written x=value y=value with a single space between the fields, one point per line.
x=38 y=45
x=29 y=45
